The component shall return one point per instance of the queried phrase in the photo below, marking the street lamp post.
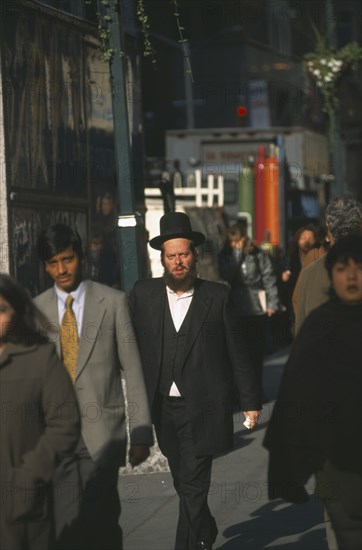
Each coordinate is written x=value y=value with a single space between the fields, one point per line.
x=189 y=106
x=129 y=260
x=335 y=139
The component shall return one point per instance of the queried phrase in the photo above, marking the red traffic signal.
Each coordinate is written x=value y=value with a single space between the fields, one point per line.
x=241 y=111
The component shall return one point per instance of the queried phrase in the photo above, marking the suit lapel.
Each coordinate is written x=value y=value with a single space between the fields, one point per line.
x=201 y=303
x=94 y=311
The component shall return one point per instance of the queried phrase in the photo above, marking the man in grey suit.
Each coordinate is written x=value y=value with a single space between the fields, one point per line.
x=193 y=356
x=87 y=506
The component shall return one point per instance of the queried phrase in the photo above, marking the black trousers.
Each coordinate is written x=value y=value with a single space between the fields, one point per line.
x=341 y=492
x=191 y=474
x=347 y=529
x=86 y=504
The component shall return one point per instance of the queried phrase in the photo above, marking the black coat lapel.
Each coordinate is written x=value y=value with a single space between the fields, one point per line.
x=201 y=304
x=157 y=304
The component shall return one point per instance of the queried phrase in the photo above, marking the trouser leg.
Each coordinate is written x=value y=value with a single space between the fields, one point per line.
x=94 y=524
x=191 y=475
x=341 y=493
x=330 y=534
x=348 y=530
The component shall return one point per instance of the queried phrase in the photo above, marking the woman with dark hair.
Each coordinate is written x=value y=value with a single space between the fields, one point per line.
x=316 y=423
x=303 y=241
x=40 y=422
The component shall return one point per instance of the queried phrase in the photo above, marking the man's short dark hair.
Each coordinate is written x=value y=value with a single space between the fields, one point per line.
x=236 y=229
x=346 y=248
x=57 y=238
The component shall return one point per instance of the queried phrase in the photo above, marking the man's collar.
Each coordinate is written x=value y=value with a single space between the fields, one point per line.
x=77 y=293
x=185 y=294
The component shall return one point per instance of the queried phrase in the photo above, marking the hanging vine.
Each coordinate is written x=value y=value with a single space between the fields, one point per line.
x=148 y=50
x=183 y=41
x=104 y=21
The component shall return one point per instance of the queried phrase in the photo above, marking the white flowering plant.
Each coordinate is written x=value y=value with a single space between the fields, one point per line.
x=326 y=67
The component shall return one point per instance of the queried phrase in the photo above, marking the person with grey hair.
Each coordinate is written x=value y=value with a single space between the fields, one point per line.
x=343 y=217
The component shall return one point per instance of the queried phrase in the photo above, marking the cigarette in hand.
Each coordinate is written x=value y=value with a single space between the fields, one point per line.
x=247 y=423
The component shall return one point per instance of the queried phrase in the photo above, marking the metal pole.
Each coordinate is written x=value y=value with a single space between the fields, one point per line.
x=4 y=222
x=188 y=89
x=334 y=116
x=330 y=24
x=336 y=151
x=127 y=219
x=189 y=100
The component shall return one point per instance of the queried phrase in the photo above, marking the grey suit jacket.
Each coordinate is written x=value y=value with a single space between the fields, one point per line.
x=107 y=347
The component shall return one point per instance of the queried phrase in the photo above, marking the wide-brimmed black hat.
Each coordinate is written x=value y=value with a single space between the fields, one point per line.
x=176 y=225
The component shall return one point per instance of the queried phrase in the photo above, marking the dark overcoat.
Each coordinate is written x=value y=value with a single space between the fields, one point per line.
x=40 y=426
x=215 y=359
x=317 y=417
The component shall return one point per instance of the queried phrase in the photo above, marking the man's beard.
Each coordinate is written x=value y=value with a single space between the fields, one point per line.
x=306 y=248
x=186 y=282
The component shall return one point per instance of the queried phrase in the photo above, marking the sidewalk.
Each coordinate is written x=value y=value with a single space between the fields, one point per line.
x=246 y=519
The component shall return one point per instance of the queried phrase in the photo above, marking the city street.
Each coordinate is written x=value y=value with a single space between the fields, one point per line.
x=246 y=519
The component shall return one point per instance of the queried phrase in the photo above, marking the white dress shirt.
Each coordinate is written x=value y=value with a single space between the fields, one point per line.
x=77 y=305
x=179 y=306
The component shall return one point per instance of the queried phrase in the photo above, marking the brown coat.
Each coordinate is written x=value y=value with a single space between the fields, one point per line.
x=312 y=256
x=40 y=426
x=313 y=290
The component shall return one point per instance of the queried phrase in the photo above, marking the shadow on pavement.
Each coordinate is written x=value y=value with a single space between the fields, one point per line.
x=276 y=520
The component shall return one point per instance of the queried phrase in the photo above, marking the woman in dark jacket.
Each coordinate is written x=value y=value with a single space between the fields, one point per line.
x=249 y=270
x=40 y=422
x=316 y=423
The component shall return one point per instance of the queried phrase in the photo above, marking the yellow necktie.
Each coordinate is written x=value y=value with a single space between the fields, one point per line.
x=69 y=338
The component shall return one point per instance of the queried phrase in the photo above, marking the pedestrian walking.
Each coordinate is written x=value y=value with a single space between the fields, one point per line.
x=315 y=427
x=254 y=293
x=303 y=241
x=96 y=342
x=343 y=217
x=40 y=423
x=192 y=358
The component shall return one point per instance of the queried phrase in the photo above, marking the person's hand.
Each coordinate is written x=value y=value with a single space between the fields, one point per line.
x=138 y=454
x=253 y=416
x=286 y=276
x=270 y=311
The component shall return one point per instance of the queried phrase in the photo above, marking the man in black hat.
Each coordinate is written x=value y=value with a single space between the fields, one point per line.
x=192 y=358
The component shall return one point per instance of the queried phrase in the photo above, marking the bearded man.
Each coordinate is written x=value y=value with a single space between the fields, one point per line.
x=192 y=356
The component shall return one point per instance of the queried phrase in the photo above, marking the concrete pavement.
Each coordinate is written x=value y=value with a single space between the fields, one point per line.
x=246 y=519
